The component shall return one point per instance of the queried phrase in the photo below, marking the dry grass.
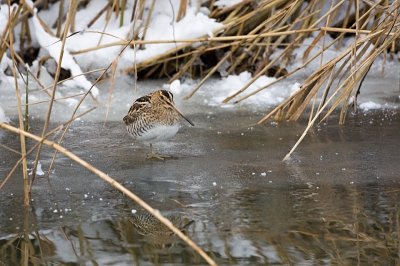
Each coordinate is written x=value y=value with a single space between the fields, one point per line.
x=252 y=31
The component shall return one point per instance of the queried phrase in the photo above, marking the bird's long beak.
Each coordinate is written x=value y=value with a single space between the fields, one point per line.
x=179 y=111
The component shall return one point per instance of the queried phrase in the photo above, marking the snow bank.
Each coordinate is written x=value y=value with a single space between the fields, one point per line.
x=163 y=26
x=53 y=46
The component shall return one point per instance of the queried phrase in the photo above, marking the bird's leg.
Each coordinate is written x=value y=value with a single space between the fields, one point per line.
x=153 y=154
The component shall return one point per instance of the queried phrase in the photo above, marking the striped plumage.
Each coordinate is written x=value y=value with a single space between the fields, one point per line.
x=147 y=224
x=152 y=118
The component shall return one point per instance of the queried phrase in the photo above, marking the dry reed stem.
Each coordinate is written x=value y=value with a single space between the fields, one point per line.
x=146 y=26
x=21 y=122
x=285 y=76
x=45 y=27
x=204 y=39
x=212 y=71
x=10 y=149
x=349 y=83
x=183 y=69
x=56 y=99
x=72 y=12
x=98 y=15
x=199 y=50
x=114 y=65
x=182 y=10
x=350 y=87
x=108 y=17
x=60 y=18
x=64 y=80
x=330 y=64
x=116 y=184
x=233 y=7
x=300 y=36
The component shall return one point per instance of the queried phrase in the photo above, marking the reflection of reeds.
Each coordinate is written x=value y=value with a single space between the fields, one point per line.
x=27 y=248
x=338 y=225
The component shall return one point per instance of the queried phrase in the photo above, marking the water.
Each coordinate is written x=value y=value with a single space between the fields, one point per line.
x=334 y=202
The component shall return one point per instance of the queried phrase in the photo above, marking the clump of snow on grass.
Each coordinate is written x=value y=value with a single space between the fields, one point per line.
x=162 y=26
x=53 y=46
x=225 y=87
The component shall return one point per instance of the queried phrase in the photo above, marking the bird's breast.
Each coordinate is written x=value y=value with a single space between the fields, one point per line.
x=153 y=133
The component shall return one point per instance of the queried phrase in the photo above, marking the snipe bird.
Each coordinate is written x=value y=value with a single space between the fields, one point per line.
x=153 y=118
x=147 y=224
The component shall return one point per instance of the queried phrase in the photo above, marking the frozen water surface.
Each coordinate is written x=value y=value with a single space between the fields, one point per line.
x=226 y=174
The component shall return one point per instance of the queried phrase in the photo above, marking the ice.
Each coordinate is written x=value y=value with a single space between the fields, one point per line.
x=3 y=117
x=39 y=170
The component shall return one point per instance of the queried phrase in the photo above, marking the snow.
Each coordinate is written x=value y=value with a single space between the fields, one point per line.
x=3 y=117
x=53 y=46
x=370 y=105
x=163 y=26
x=226 y=3
x=175 y=87
x=39 y=170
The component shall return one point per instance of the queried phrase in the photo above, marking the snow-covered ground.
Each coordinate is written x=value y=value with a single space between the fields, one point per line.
x=163 y=26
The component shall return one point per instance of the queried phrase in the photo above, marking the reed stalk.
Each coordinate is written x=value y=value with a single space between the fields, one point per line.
x=26 y=117
x=20 y=117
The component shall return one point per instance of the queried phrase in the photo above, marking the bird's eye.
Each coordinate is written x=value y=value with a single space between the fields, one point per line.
x=167 y=95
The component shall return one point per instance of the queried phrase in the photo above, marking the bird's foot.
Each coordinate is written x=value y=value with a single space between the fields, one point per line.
x=153 y=154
